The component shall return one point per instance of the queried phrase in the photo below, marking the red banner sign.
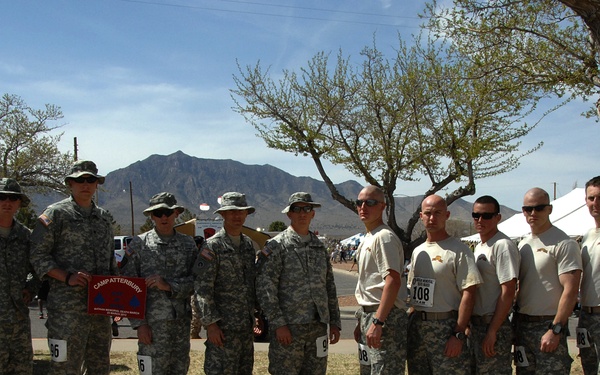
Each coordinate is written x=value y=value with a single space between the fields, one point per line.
x=117 y=296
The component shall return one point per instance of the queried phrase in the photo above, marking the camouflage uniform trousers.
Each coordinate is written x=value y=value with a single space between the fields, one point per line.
x=390 y=358
x=589 y=356
x=426 y=344
x=16 y=353
x=299 y=357
x=235 y=357
x=501 y=363
x=88 y=342
x=528 y=335
x=170 y=348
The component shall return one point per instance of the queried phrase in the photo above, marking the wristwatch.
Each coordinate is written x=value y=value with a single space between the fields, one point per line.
x=556 y=328
x=378 y=322
x=460 y=335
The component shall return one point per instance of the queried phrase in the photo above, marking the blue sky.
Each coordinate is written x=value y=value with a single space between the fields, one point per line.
x=136 y=78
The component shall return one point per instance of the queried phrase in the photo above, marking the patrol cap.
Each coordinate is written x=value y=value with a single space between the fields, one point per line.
x=163 y=200
x=234 y=201
x=300 y=197
x=83 y=167
x=10 y=186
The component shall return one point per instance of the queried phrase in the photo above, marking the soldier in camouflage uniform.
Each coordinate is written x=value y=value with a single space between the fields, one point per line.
x=548 y=285
x=225 y=274
x=382 y=319
x=443 y=281
x=165 y=259
x=16 y=354
x=196 y=325
x=296 y=291
x=73 y=240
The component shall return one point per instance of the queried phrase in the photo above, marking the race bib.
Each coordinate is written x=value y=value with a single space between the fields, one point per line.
x=363 y=355
x=422 y=291
x=144 y=364
x=58 y=350
x=583 y=338
x=322 y=346
x=521 y=357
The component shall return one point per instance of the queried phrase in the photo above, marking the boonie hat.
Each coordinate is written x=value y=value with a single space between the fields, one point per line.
x=234 y=201
x=10 y=186
x=163 y=200
x=300 y=197
x=83 y=167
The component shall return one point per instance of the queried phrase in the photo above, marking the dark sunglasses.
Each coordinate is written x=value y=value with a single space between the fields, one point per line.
x=538 y=208
x=484 y=215
x=89 y=179
x=10 y=197
x=298 y=209
x=368 y=202
x=162 y=211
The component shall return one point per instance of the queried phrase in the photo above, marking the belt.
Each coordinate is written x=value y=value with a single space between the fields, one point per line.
x=425 y=316
x=591 y=309
x=481 y=320
x=370 y=309
x=534 y=318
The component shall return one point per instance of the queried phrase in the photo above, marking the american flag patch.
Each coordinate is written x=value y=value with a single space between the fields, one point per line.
x=266 y=251
x=45 y=220
x=207 y=254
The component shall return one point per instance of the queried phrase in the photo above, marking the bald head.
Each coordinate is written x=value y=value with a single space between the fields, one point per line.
x=434 y=200
x=373 y=192
x=537 y=194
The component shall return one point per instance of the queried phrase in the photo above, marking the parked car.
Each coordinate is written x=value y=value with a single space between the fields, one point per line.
x=121 y=243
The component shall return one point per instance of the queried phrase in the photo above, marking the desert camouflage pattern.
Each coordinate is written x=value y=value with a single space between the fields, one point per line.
x=426 y=344
x=390 y=358
x=528 y=335
x=295 y=287
x=225 y=294
x=16 y=275
x=589 y=356
x=167 y=313
x=501 y=363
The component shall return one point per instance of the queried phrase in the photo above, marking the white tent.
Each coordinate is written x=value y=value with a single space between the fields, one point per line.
x=354 y=240
x=569 y=213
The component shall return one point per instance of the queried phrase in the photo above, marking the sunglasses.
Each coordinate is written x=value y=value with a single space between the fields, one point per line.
x=368 y=202
x=162 y=211
x=298 y=209
x=89 y=179
x=484 y=215
x=538 y=208
x=10 y=197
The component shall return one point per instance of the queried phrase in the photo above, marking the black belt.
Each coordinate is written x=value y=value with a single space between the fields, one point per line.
x=425 y=316
x=534 y=318
x=370 y=309
x=481 y=320
x=591 y=309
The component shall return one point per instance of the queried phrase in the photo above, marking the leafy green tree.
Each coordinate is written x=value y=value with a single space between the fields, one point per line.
x=27 y=216
x=148 y=225
x=28 y=152
x=277 y=226
x=547 y=45
x=186 y=215
x=428 y=112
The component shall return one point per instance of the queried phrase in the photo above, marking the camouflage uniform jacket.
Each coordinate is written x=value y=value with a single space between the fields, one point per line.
x=295 y=281
x=224 y=283
x=67 y=238
x=148 y=254
x=14 y=271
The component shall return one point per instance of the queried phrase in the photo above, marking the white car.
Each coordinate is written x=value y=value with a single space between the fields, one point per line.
x=121 y=243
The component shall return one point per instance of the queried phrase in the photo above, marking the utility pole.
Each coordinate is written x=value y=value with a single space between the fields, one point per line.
x=74 y=148
x=131 y=203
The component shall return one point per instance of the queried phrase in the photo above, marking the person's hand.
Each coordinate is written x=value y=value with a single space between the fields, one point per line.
x=283 y=335
x=144 y=333
x=27 y=296
x=487 y=346
x=374 y=336
x=80 y=278
x=156 y=281
x=259 y=326
x=453 y=347
x=549 y=342
x=334 y=334
x=214 y=335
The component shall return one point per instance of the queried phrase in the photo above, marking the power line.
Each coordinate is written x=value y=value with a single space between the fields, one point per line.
x=278 y=15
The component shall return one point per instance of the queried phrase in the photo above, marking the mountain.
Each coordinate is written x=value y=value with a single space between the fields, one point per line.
x=194 y=181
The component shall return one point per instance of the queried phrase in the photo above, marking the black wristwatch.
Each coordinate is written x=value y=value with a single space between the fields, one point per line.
x=556 y=328
x=460 y=335
x=378 y=322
